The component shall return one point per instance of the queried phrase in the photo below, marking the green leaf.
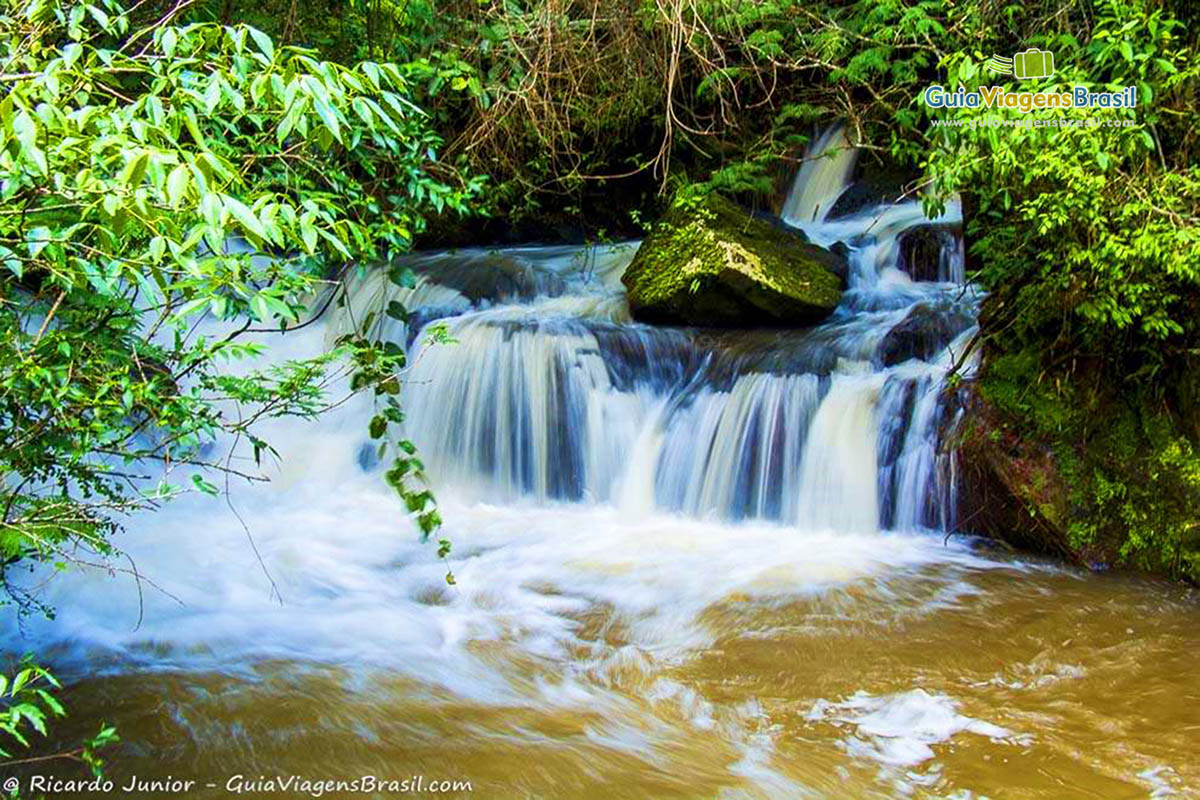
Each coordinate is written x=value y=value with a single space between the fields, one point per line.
x=204 y=486
x=242 y=213
x=101 y=18
x=212 y=95
x=429 y=522
x=19 y=681
x=263 y=41
x=308 y=233
x=135 y=170
x=51 y=703
x=193 y=128
x=14 y=265
x=34 y=715
x=25 y=128
x=337 y=243
x=211 y=208
x=168 y=41
x=177 y=184
x=37 y=239
x=328 y=116
x=71 y=53
x=402 y=276
x=260 y=307
x=191 y=307
x=396 y=310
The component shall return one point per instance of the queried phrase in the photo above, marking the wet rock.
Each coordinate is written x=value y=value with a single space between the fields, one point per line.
x=1009 y=488
x=493 y=276
x=925 y=249
x=713 y=264
x=874 y=184
x=925 y=332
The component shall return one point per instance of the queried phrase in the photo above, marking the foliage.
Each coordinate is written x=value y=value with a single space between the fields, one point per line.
x=576 y=107
x=1100 y=217
x=1129 y=468
x=27 y=703
x=1087 y=237
x=142 y=171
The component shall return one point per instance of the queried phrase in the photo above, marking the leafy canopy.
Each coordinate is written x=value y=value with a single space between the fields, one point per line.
x=155 y=177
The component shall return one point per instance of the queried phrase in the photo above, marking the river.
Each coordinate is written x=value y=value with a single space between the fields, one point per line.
x=687 y=564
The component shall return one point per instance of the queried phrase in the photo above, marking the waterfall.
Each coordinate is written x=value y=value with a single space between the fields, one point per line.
x=646 y=525
x=551 y=393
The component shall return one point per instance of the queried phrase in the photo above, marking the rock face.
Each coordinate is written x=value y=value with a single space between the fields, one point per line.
x=1009 y=488
x=710 y=263
x=874 y=183
x=487 y=275
x=921 y=250
x=925 y=332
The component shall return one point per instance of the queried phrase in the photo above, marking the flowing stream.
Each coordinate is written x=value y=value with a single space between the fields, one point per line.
x=689 y=563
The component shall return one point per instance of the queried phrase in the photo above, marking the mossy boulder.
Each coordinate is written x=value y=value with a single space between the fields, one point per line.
x=709 y=263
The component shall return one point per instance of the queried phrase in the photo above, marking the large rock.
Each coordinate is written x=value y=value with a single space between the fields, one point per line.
x=710 y=263
x=489 y=275
x=874 y=183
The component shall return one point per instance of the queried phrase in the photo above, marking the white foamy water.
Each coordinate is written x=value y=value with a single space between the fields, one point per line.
x=900 y=730
x=357 y=587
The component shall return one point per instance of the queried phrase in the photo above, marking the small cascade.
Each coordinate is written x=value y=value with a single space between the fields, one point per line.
x=822 y=177
x=522 y=403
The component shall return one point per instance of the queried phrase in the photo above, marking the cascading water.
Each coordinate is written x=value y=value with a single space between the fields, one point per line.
x=552 y=393
x=689 y=563
x=823 y=176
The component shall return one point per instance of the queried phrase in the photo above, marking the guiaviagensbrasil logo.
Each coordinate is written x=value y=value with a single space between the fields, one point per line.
x=1027 y=65
x=1032 y=63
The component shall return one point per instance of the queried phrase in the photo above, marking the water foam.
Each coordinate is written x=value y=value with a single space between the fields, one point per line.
x=900 y=730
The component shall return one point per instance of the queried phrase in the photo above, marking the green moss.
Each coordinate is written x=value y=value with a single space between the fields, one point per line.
x=710 y=263
x=1128 y=472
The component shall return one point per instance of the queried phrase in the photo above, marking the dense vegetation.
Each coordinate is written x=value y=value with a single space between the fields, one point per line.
x=146 y=152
